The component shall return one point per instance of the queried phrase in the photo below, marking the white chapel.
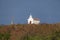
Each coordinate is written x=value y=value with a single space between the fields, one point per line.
x=32 y=20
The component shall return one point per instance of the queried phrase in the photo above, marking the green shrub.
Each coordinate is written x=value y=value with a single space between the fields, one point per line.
x=7 y=35
x=29 y=37
x=1 y=36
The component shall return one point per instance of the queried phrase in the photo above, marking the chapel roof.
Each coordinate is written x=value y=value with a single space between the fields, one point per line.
x=36 y=19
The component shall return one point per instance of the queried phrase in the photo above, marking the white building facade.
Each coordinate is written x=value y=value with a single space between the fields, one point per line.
x=32 y=20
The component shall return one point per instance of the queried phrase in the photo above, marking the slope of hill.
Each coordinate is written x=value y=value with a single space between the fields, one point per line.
x=23 y=31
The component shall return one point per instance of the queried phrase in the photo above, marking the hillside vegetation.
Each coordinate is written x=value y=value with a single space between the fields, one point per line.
x=30 y=32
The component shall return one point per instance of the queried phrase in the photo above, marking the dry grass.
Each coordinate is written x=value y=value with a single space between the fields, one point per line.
x=20 y=30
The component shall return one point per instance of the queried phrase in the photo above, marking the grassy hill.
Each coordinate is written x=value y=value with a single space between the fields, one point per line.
x=30 y=32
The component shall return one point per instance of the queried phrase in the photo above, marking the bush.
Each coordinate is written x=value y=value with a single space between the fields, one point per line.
x=6 y=36
x=1 y=36
x=29 y=37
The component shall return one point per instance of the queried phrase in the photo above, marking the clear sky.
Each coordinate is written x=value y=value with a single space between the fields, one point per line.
x=48 y=11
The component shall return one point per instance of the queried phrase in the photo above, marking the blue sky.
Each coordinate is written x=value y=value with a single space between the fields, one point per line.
x=48 y=11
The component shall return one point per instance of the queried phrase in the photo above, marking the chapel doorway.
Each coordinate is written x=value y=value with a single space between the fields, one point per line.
x=30 y=22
